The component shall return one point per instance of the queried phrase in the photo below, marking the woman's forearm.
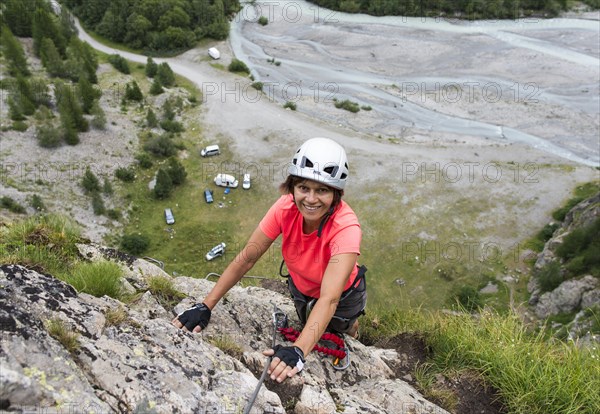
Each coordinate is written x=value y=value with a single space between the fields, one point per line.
x=316 y=324
x=231 y=275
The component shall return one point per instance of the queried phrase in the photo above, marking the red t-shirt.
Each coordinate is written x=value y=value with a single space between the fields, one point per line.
x=306 y=255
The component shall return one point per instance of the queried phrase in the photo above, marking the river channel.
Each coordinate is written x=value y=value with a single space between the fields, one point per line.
x=531 y=81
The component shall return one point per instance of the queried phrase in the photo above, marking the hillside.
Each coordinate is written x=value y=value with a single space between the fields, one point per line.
x=62 y=348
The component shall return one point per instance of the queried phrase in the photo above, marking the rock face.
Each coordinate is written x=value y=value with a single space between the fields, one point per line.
x=568 y=297
x=575 y=294
x=140 y=363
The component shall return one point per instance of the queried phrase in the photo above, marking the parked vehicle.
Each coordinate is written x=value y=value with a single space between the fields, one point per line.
x=226 y=180
x=216 y=251
x=208 y=196
x=246 y=182
x=214 y=53
x=169 y=218
x=210 y=151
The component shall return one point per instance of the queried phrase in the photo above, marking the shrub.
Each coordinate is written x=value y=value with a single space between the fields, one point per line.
x=263 y=20
x=119 y=63
x=144 y=160
x=290 y=105
x=135 y=244
x=171 y=126
x=99 y=119
x=176 y=171
x=113 y=214
x=258 y=86
x=48 y=136
x=90 y=182
x=97 y=279
x=581 y=248
x=164 y=184
x=468 y=298
x=98 y=204
x=151 y=119
x=237 y=65
x=11 y=205
x=156 y=88
x=348 y=105
x=125 y=174
x=37 y=203
x=549 y=277
x=161 y=146
x=133 y=92
x=168 y=110
x=546 y=233
x=19 y=126
x=107 y=187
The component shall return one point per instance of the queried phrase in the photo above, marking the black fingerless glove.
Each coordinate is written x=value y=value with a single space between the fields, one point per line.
x=197 y=315
x=290 y=355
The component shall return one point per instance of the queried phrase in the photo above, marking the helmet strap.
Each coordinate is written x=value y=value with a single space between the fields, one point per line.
x=324 y=221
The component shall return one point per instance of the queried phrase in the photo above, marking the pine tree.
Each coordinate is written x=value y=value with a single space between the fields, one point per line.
x=44 y=25
x=151 y=119
x=13 y=51
x=99 y=119
x=14 y=109
x=87 y=93
x=164 y=184
x=17 y=15
x=71 y=115
x=90 y=182
x=176 y=171
x=156 y=88
x=133 y=92
x=25 y=96
x=151 y=68
x=168 y=112
x=165 y=75
x=51 y=58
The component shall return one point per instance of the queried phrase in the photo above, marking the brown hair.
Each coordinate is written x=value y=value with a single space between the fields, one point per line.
x=287 y=187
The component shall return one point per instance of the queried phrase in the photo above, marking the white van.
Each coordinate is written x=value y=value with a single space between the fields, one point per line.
x=246 y=182
x=226 y=180
x=169 y=218
x=210 y=150
x=214 y=53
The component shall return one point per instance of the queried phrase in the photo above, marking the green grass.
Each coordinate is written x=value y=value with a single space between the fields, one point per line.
x=42 y=242
x=533 y=375
x=62 y=333
x=97 y=278
x=226 y=344
x=163 y=291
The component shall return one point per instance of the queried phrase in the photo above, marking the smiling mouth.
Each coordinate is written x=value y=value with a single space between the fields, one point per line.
x=311 y=208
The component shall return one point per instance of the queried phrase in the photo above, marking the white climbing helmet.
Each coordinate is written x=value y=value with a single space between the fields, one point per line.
x=322 y=160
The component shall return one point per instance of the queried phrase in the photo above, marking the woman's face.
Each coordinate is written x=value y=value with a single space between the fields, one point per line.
x=313 y=199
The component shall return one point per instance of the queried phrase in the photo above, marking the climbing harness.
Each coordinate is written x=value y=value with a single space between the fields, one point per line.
x=279 y=320
x=341 y=354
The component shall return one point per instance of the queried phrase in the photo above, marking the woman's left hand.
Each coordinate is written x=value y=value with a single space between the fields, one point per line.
x=287 y=361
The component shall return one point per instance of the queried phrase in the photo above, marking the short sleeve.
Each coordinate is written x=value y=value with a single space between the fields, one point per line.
x=347 y=240
x=271 y=222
